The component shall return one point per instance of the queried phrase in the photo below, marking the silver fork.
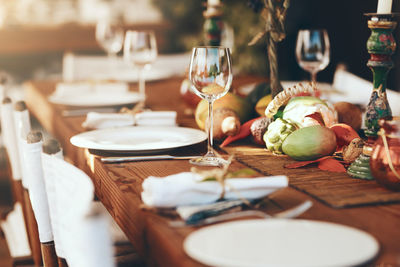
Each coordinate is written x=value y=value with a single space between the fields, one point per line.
x=286 y=214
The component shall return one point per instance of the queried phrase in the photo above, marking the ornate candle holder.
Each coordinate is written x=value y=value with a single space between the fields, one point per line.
x=381 y=45
x=213 y=24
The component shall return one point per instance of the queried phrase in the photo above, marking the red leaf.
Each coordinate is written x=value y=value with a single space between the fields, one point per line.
x=300 y=164
x=332 y=165
x=318 y=117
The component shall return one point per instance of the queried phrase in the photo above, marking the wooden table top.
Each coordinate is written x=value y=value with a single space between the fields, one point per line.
x=118 y=186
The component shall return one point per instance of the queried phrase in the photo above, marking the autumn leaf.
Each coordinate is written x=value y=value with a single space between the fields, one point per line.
x=331 y=165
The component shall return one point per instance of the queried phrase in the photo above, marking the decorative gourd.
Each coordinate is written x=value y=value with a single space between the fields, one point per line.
x=226 y=105
x=277 y=132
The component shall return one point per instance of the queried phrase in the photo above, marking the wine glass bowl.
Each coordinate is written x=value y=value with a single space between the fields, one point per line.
x=140 y=48
x=313 y=51
x=110 y=36
x=210 y=74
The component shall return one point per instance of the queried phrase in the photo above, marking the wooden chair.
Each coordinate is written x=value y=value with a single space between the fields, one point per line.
x=22 y=128
x=124 y=253
x=32 y=151
x=77 y=227
x=12 y=132
x=52 y=149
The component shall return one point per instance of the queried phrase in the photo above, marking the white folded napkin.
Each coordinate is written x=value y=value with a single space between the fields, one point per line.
x=95 y=120
x=84 y=88
x=186 y=189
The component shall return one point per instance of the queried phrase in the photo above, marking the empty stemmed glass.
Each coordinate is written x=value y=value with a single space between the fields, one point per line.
x=110 y=36
x=210 y=74
x=313 y=51
x=140 y=48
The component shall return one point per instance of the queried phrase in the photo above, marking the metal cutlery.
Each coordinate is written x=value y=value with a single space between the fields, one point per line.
x=143 y=158
x=287 y=214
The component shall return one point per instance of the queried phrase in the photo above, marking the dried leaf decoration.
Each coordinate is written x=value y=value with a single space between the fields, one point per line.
x=325 y=163
x=299 y=164
x=331 y=165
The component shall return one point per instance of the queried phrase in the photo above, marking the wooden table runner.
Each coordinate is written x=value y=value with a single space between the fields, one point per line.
x=337 y=190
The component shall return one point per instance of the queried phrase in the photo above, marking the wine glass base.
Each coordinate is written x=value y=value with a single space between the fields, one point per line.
x=208 y=161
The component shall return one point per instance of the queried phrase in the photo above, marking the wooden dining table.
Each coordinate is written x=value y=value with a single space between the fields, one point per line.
x=118 y=186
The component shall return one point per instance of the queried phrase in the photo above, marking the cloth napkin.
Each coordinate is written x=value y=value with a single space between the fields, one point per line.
x=85 y=88
x=95 y=120
x=186 y=189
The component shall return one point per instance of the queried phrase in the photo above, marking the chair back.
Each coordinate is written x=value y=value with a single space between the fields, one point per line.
x=10 y=138
x=84 y=235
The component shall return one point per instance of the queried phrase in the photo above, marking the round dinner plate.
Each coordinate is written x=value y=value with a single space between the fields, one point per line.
x=279 y=242
x=96 y=100
x=138 y=139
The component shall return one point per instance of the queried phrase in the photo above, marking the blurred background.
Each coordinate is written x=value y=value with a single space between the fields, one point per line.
x=34 y=34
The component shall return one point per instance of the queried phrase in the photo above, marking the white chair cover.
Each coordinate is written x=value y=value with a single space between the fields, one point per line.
x=50 y=176
x=94 y=234
x=14 y=230
x=71 y=193
x=22 y=128
x=34 y=179
x=10 y=139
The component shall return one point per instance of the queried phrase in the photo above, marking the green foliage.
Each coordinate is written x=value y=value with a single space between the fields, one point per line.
x=186 y=19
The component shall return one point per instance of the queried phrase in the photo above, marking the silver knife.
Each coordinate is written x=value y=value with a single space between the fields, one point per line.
x=286 y=214
x=143 y=158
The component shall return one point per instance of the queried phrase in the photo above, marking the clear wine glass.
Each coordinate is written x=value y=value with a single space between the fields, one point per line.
x=210 y=74
x=110 y=36
x=140 y=48
x=313 y=51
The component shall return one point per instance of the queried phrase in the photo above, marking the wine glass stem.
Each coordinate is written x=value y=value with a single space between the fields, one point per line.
x=142 y=88
x=111 y=57
x=210 y=128
x=314 y=77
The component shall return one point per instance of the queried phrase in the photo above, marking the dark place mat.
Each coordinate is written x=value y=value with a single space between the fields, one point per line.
x=337 y=190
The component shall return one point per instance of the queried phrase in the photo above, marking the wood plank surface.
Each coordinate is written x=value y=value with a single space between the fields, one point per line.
x=118 y=186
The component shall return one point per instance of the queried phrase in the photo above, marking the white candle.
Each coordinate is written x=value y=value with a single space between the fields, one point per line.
x=384 y=7
x=213 y=2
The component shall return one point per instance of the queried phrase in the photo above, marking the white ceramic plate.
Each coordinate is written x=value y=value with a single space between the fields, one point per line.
x=96 y=100
x=138 y=139
x=277 y=243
